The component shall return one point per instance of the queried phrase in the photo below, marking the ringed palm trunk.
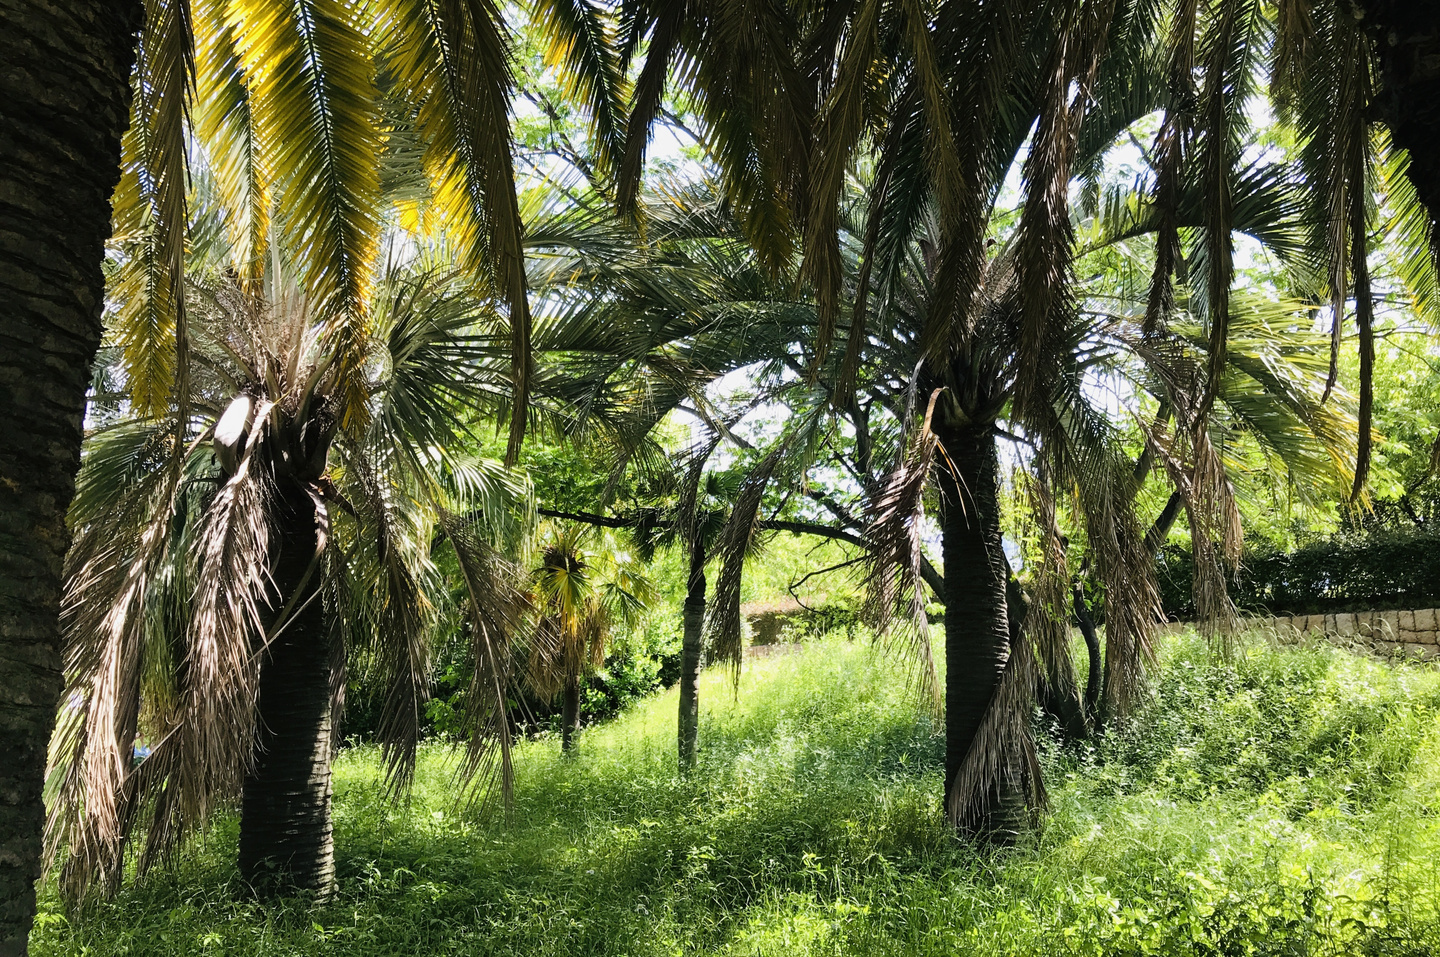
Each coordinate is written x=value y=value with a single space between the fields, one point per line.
x=286 y=842
x=691 y=660
x=977 y=628
x=64 y=103
x=569 y=714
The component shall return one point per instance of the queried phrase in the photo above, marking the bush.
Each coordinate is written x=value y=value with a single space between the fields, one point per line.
x=638 y=665
x=1384 y=568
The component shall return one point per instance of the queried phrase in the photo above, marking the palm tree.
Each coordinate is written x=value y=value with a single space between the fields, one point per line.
x=211 y=604
x=630 y=331
x=64 y=100
x=580 y=594
x=286 y=105
x=956 y=405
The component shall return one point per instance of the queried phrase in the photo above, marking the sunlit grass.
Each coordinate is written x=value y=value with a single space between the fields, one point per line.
x=1280 y=805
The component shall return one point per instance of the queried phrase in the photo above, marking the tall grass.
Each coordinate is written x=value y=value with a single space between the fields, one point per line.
x=1282 y=804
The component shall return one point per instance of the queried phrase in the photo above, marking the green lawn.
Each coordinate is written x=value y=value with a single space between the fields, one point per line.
x=1281 y=805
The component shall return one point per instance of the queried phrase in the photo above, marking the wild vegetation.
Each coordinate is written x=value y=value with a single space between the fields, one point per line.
x=455 y=371
x=1276 y=804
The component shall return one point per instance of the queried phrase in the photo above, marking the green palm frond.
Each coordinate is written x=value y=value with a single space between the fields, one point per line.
x=838 y=131
x=583 y=45
x=309 y=70
x=649 y=89
x=224 y=123
x=1228 y=51
x=150 y=208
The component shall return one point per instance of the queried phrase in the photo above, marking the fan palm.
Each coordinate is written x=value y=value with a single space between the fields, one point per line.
x=580 y=595
x=210 y=606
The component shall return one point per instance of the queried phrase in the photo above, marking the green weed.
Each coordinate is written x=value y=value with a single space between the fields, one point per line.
x=1283 y=803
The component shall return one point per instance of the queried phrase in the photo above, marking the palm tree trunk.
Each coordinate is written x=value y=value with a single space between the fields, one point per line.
x=64 y=103
x=286 y=843
x=1093 y=690
x=977 y=631
x=691 y=660
x=1406 y=34
x=569 y=714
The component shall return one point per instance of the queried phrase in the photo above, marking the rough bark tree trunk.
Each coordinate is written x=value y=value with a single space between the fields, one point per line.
x=977 y=631
x=286 y=840
x=64 y=104
x=569 y=714
x=691 y=661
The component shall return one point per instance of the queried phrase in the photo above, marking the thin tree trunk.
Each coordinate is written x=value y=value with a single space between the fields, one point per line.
x=691 y=661
x=1093 y=688
x=64 y=103
x=977 y=631
x=1155 y=537
x=286 y=841
x=569 y=714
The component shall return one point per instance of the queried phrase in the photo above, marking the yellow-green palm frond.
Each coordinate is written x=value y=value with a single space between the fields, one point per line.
x=1408 y=224
x=581 y=43
x=453 y=59
x=225 y=124
x=150 y=207
x=308 y=67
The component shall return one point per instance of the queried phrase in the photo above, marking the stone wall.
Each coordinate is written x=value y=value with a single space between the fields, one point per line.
x=1411 y=633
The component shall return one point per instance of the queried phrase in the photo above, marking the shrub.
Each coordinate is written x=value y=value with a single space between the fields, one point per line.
x=1384 y=568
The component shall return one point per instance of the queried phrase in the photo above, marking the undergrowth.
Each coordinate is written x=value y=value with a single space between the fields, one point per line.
x=1280 y=804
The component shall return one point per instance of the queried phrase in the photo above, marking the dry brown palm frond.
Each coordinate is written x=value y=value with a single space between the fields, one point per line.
x=117 y=554
x=894 y=584
x=1002 y=756
x=1125 y=567
x=740 y=538
x=1198 y=476
x=725 y=634
x=495 y=615
x=1047 y=617
x=193 y=768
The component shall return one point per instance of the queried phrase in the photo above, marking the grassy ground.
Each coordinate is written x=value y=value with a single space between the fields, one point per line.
x=1280 y=805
